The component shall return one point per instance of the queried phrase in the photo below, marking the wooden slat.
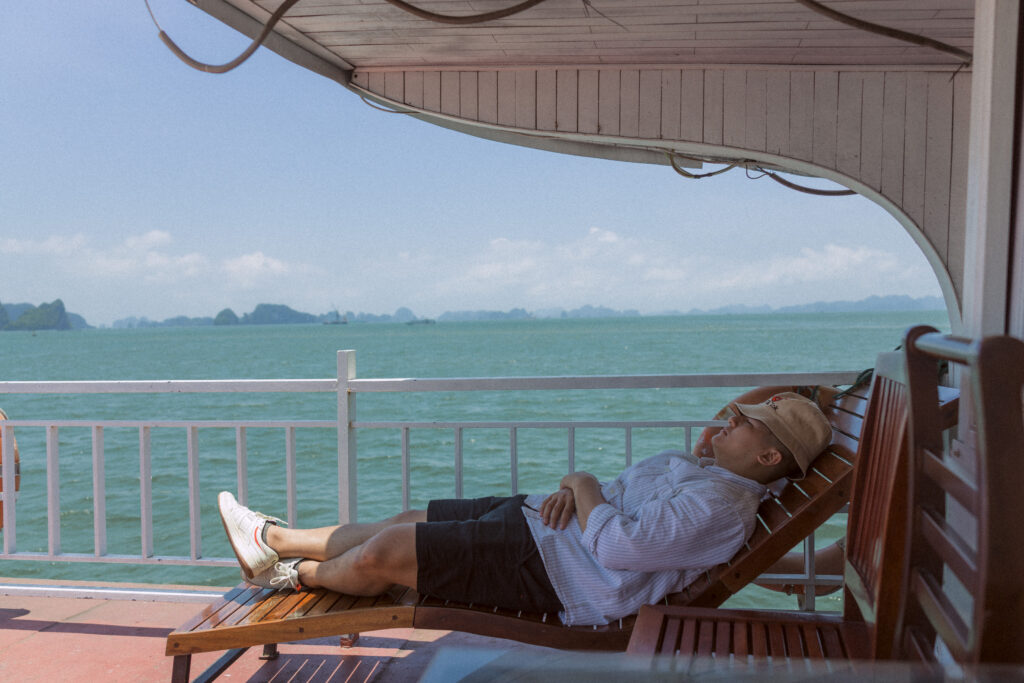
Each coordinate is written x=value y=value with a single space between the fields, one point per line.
x=649 y=125
x=414 y=89
x=705 y=637
x=776 y=638
x=873 y=85
x=450 y=98
x=608 y=101
x=938 y=161
x=723 y=639
x=670 y=104
x=432 y=90
x=734 y=102
x=801 y=114
x=777 y=112
x=566 y=96
x=893 y=131
x=588 y=101
x=487 y=96
x=526 y=99
x=826 y=110
x=958 y=172
x=547 y=99
x=794 y=641
x=688 y=638
x=629 y=103
x=812 y=641
x=670 y=637
x=756 y=111
x=469 y=104
x=850 y=124
x=507 y=98
x=691 y=104
x=915 y=146
x=714 y=83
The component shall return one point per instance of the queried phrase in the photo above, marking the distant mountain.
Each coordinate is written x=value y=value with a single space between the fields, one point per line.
x=51 y=316
x=463 y=316
x=872 y=303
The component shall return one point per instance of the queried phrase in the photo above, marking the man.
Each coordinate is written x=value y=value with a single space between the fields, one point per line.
x=591 y=552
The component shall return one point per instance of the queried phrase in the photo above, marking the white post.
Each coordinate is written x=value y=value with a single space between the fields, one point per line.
x=99 y=493
x=8 y=477
x=990 y=167
x=347 y=498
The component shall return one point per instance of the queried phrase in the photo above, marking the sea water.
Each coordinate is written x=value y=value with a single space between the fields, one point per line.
x=615 y=346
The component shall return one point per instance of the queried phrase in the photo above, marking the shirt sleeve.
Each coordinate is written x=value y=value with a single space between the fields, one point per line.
x=685 y=531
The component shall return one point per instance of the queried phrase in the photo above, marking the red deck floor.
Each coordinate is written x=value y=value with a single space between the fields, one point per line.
x=79 y=639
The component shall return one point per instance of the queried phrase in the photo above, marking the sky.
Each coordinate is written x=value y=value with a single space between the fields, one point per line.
x=132 y=185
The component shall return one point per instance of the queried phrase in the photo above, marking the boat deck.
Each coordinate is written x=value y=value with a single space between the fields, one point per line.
x=73 y=638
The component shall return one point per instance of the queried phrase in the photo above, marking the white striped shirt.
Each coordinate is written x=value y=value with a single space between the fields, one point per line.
x=666 y=521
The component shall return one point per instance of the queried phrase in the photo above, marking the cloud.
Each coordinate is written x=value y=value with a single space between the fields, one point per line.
x=247 y=270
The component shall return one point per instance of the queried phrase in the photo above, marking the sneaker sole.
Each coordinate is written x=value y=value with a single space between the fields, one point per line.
x=246 y=570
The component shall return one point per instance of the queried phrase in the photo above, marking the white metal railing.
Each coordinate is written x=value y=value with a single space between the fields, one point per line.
x=346 y=386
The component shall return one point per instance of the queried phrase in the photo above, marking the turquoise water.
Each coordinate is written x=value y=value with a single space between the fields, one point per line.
x=670 y=345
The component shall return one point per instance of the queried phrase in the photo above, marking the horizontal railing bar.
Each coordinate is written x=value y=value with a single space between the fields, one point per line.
x=124 y=559
x=170 y=386
x=526 y=424
x=188 y=386
x=109 y=593
x=695 y=381
x=203 y=424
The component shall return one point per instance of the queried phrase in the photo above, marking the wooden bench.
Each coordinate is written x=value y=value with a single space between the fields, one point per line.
x=248 y=616
x=903 y=550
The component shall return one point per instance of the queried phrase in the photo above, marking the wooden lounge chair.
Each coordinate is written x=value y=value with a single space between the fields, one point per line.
x=982 y=542
x=935 y=588
x=248 y=616
x=875 y=542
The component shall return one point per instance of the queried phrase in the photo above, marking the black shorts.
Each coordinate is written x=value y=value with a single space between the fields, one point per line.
x=481 y=551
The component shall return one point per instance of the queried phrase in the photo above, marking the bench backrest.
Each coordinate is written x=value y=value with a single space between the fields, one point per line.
x=965 y=574
x=785 y=519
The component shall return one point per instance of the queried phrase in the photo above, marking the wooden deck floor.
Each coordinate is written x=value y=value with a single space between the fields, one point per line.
x=48 y=639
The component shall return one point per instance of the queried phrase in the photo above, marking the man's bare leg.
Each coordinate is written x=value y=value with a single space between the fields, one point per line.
x=370 y=568
x=327 y=543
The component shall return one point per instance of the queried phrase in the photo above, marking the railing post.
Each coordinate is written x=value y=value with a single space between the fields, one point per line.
x=99 y=493
x=146 y=490
x=347 y=497
x=53 y=490
x=8 y=477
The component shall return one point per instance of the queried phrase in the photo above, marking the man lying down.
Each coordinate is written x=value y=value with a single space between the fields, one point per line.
x=591 y=552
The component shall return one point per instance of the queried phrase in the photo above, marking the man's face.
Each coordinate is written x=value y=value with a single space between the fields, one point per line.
x=739 y=444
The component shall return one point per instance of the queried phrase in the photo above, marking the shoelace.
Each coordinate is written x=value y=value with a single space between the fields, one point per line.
x=286 y=575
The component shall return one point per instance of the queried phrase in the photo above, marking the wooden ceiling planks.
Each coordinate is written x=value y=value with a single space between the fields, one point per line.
x=373 y=33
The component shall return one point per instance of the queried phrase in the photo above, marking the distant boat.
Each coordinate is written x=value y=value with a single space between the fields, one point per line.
x=421 y=321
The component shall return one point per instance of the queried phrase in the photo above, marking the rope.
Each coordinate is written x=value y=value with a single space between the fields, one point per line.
x=237 y=61
x=471 y=19
x=697 y=176
x=886 y=30
x=803 y=188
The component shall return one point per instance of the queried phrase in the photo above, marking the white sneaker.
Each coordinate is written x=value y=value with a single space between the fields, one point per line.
x=282 y=575
x=244 y=528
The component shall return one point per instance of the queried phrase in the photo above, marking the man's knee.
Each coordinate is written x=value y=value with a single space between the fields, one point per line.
x=389 y=549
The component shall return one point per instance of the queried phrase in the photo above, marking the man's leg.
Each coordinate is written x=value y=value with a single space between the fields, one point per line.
x=329 y=542
x=370 y=568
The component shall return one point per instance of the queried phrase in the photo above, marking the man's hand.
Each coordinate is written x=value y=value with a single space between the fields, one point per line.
x=558 y=508
x=586 y=494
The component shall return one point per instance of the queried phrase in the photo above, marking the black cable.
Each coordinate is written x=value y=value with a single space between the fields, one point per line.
x=886 y=30
x=227 y=66
x=470 y=19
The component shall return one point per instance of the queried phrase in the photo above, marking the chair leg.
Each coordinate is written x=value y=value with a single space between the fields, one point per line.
x=349 y=639
x=269 y=651
x=182 y=665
